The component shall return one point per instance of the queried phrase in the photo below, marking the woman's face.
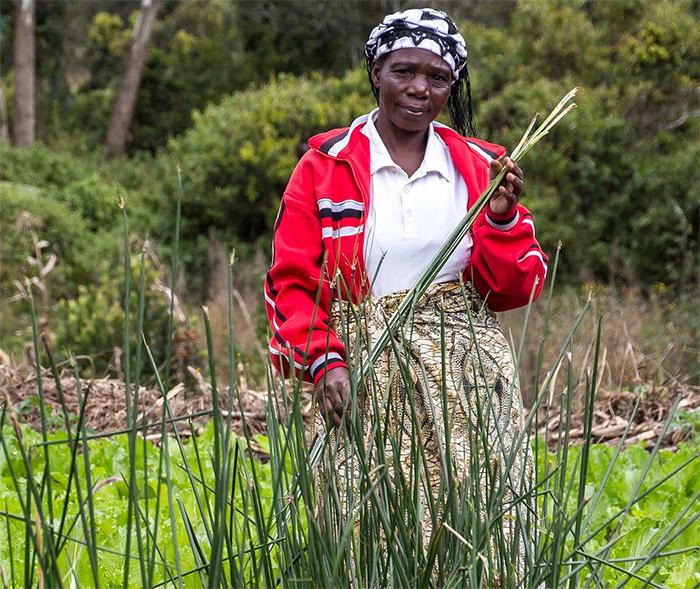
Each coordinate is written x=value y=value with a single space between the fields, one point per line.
x=414 y=85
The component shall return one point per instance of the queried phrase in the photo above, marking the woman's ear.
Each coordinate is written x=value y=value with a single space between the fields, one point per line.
x=375 y=72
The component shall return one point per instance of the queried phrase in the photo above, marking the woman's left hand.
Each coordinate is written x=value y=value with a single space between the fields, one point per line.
x=508 y=191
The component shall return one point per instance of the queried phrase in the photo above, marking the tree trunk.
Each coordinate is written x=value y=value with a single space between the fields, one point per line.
x=125 y=102
x=23 y=58
x=4 y=128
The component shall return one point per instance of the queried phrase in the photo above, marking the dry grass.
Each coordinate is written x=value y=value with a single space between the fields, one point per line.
x=105 y=403
x=649 y=341
x=649 y=349
x=248 y=314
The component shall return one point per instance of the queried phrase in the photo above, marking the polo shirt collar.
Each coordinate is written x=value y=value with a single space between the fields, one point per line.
x=436 y=158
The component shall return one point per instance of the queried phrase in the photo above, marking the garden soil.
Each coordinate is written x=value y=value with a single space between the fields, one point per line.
x=105 y=410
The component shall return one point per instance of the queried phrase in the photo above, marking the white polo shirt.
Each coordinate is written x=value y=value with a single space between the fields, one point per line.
x=410 y=218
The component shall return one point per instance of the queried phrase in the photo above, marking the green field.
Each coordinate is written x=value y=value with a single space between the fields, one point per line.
x=646 y=525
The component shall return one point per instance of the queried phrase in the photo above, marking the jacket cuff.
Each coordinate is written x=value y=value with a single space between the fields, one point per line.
x=324 y=363
x=504 y=221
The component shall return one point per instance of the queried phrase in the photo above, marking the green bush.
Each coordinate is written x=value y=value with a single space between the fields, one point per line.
x=29 y=216
x=558 y=40
x=89 y=186
x=95 y=200
x=74 y=269
x=237 y=158
x=42 y=166
x=622 y=207
x=92 y=323
x=62 y=233
x=85 y=121
x=44 y=241
x=64 y=200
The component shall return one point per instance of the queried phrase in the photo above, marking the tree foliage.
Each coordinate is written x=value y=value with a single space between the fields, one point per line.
x=237 y=157
x=615 y=183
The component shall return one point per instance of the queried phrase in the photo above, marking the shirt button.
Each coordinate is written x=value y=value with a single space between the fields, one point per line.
x=409 y=212
x=405 y=190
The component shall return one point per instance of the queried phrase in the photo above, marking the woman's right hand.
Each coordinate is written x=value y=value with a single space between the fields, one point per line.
x=332 y=393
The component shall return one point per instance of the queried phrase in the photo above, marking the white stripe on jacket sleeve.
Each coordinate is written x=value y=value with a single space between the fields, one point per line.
x=342 y=232
x=503 y=226
x=537 y=255
x=323 y=359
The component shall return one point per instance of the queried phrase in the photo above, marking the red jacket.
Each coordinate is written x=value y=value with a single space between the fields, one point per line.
x=319 y=232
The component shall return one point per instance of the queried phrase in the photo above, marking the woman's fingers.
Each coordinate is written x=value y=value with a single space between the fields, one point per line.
x=516 y=183
x=494 y=168
x=514 y=177
x=335 y=400
x=333 y=394
x=510 y=187
x=332 y=411
x=342 y=398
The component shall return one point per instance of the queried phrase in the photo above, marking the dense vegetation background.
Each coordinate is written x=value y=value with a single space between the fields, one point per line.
x=230 y=93
x=232 y=90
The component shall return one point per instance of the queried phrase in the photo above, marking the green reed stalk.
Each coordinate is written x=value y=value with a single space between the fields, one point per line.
x=72 y=472
x=82 y=400
x=166 y=459
x=133 y=489
x=219 y=498
x=46 y=481
x=225 y=526
x=9 y=534
x=197 y=551
x=127 y=371
x=34 y=548
x=585 y=450
x=526 y=143
x=173 y=276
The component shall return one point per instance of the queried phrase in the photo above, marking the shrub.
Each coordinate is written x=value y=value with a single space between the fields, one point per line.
x=92 y=323
x=558 y=40
x=62 y=233
x=88 y=187
x=30 y=216
x=94 y=200
x=42 y=166
x=238 y=156
x=621 y=205
x=44 y=241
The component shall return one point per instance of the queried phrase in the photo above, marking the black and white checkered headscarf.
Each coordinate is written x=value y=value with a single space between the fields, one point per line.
x=422 y=28
x=425 y=28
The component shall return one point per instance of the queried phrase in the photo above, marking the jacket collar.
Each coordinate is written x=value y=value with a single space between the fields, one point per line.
x=340 y=143
x=350 y=145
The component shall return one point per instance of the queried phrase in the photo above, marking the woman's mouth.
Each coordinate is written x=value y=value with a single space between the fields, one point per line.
x=412 y=111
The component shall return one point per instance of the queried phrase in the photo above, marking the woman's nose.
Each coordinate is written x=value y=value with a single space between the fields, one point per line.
x=419 y=85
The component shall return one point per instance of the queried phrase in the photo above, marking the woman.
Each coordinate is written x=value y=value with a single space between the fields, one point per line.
x=366 y=209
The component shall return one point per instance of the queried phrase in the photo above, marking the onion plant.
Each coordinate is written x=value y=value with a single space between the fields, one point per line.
x=203 y=512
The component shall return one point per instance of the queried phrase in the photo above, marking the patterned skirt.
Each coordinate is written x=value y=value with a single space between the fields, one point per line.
x=441 y=408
